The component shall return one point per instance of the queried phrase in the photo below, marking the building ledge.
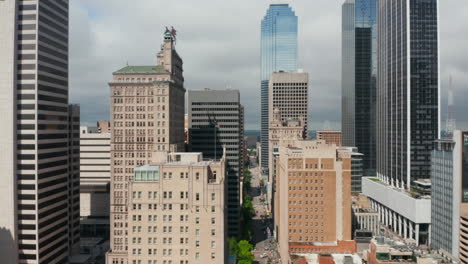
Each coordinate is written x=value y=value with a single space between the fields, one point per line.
x=416 y=210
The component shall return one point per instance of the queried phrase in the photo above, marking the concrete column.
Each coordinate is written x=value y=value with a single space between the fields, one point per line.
x=399 y=225
x=411 y=230
x=395 y=224
x=387 y=217
x=405 y=225
x=429 y=235
x=417 y=234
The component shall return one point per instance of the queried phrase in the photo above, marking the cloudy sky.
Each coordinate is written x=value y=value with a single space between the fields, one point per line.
x=219 y=43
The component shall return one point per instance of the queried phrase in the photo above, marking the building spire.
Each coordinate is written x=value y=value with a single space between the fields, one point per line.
x=450 y=123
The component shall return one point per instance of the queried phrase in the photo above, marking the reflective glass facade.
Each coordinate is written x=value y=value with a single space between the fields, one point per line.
x=359 y=71
x=407 y=89
x=278 y=53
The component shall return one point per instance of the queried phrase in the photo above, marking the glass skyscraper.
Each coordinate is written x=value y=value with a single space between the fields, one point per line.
x=407 y=89
x=278 y=53
x=359 y=73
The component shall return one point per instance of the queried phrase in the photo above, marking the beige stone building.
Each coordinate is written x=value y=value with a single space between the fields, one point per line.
x=282 y=133
x=313 y=195
x=287 y=92
x=330 y=136
x=147 y=115
x=177 y=211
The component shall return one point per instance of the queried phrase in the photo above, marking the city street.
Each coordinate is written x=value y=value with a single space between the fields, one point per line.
x=264 y=246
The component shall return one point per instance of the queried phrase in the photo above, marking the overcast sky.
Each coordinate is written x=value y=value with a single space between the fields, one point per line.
x=219 y=41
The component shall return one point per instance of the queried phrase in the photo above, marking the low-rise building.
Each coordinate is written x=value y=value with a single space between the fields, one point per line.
x=365 y=219
x=330 y=136
x=95 y=162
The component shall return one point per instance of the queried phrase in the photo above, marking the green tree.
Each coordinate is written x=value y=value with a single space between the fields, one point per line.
x=245 y=255
x=233 y=246
x=247 y=183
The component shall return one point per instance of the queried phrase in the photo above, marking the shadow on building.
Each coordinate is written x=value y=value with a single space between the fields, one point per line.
x=7 y=247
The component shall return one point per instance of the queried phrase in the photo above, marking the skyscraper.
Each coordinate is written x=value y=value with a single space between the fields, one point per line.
x=216 y=121
x=407 y=90
x=288 y=94
x=278 y=53
x=38 y=160
x=147 y=115
x=359 y=73
x=407 y=115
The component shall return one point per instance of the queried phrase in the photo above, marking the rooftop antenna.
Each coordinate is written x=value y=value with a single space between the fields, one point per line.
x=450 y=123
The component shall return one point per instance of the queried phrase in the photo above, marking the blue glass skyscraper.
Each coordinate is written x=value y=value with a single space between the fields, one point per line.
x=278 y=53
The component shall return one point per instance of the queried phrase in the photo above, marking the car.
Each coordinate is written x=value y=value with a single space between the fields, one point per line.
x=264 y=255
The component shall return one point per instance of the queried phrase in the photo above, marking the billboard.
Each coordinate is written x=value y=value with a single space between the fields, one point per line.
x=464 y=169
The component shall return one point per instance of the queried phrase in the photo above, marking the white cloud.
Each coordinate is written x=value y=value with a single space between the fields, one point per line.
x=219 y=43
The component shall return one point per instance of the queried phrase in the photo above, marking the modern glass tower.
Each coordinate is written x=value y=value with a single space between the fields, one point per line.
x=407 y=89
x=278 y=53
x=359 y=73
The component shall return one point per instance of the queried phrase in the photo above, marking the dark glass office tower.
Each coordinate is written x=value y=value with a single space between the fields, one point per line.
x=407 y=89
x=216 y=121
x=359 y=70
x=278 y=53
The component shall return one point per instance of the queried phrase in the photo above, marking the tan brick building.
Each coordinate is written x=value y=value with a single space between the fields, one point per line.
x=313 y=195
x=147 y=115
x=177 y=211
x=330 y=136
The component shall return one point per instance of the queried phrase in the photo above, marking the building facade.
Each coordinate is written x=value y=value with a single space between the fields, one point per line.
x=288 y=92
x=448 y=210
x=216 y=120
x=330 y=137
x=147 y=116
x=359 y=74
x=407 y=90
x=407 y=115
x=313 y=195
x=38 y=185
x=278 y=53
x=177 y=210
x=95 y=177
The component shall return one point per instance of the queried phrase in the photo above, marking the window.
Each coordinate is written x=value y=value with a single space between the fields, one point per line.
x=197 y=220
x=197 y=244
x=213 y=244
x=213 y=232
x=197 y=209
x=213 y=221
x=213 y=196
x=197 y=196
x=197 y=176
x=213 y=209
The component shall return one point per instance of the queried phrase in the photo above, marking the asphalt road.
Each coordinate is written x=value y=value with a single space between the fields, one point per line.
x=262 y=236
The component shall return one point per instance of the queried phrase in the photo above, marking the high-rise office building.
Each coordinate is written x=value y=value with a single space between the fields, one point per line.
x=313 y=195
x=358 y=78
x=177 y=210
x=407 y=90
x=95 y=177
x=147 y=115
x=216 y=121
x=38 y=162
x=449 y=171
x=278 y=53
x=408 y=115
x=288 y=92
